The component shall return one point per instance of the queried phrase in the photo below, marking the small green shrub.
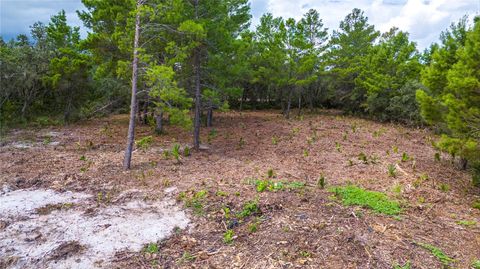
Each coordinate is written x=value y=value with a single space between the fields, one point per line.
x=144 y=143
x=274 y=140
x=437 y=156
x=444 y=187
x=186 y=151
x=195 y=201
x=476 y=204
x=363 y=157
x=321 y=182
x=176 y=152
x=228 y=236
x=270 y=173
x=377 y=201
x=405 y=157
x=338 y=147
x=249 y=208
x=395 y=149
x=392 y=170
x=152 y=248
x=476 y=264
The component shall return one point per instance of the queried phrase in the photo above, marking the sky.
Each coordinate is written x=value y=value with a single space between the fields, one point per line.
x=423 y=19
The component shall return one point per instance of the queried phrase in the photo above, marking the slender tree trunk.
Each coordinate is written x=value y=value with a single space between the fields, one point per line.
x=133 y=103
x=198 y=101
x=145 y=111
x=289 y=103
x=210 y=117
x=159 y=122
x=299 y=103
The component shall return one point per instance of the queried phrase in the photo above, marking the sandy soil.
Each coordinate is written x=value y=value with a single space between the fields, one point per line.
x=296 y=228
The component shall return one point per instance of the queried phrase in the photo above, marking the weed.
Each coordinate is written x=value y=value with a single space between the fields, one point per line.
x=476 y=264
x=397 y=189
x=195 y=201
x=345 y=136
x=350 y=162
x=305 y=254
x=249 y=208
x=444 y=187
x=405 y=157
x=270 y=173
x=354 y=128
x=407 y=265
x=392 y=170
x=176 y=152
x=228 y=236
x=395 y=149
x=377 y=201
x=295 y=130
x=144 y=143
x=187 y=257
x=321 y=182
x=211 y=135
x=476 y=204
x=221 y=194
x=467 y=223
x=420 y=180
x=241 y=143
x=437 y=156
x=186 y=151
x=253 y=227
x=83 y=158
x=166 y=154
x=47 y=140
x=151 y=248
x=166 y=182
x=305 y=153
x=274 y=140
x=438 y=253
x=362 y=157
x=263 y=185
x=338 y=147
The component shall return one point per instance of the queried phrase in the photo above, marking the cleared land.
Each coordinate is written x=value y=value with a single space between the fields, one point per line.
x=254 y=193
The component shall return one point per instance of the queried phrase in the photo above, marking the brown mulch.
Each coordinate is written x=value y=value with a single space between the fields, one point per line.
x=300 y=228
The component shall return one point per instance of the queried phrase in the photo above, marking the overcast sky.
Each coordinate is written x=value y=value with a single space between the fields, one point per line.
x=423 y=19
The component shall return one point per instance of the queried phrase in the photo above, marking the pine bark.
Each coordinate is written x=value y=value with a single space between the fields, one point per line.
x=133 y=103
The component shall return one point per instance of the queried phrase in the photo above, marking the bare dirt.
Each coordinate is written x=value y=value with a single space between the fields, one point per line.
x=300 y=228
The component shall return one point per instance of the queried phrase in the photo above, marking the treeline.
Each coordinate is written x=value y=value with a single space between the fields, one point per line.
x=197 y=56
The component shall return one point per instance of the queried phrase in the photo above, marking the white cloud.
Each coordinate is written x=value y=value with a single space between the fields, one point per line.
x=423 y=19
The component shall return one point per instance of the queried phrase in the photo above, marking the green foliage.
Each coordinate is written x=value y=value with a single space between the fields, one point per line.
x=186 y=151
x=392 y=170
x=152 y=248
x=451 y=102
x=176 y=152
x=377 y=201
x=270 y=173
x=467 y=223
x=438 y=253
x=145 y=142
x=476 y=264
x=321 y=182
x=249 y=208
x=228 y=236
x=405 y=157
x=269 y=185
x=194 y=200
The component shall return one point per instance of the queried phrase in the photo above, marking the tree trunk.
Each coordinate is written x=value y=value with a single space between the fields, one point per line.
x=289 y=103
x=145 y=111
x=198 y=101
x=299 y=104
x=159 y=122
x=133 y=103
x=209 y=117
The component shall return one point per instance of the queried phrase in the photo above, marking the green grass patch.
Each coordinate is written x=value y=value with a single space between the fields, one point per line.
x=270 y=185
x=467 y=223
x=476 y=264
x=437 y=253
x=376 y=201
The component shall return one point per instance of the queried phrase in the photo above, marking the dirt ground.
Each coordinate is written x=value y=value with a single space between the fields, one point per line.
x=299 y=228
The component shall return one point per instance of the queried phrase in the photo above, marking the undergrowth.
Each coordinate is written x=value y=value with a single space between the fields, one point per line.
x=377 y=201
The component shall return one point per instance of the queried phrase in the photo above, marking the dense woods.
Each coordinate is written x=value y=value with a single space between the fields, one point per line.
x=193 y=57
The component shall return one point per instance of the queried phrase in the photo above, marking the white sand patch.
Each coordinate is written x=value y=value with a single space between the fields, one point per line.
x=126 y=226
x=24 y=202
